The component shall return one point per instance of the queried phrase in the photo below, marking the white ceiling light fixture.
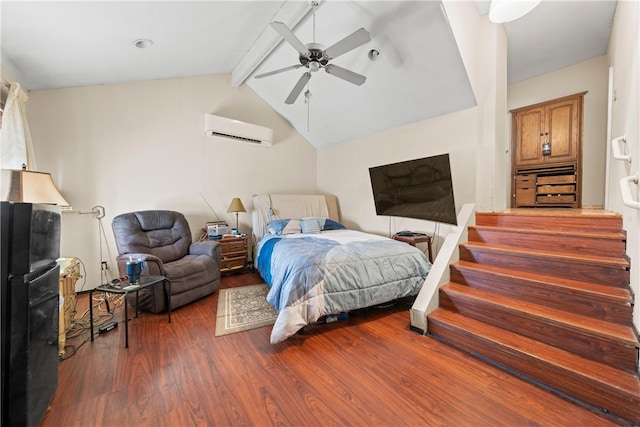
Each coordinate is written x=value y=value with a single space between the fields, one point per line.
x=502 y=11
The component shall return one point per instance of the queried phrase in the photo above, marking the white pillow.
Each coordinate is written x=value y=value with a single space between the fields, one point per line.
x=284 y=226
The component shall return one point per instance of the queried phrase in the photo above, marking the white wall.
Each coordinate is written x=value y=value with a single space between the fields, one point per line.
x=141 y=145
x=483 y=46
x=591 y=76
x=623 y=55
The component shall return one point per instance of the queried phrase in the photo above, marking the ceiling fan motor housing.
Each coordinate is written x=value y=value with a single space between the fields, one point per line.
x=316 y=54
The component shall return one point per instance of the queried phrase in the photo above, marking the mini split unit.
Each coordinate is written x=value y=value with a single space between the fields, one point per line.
x=237 y=130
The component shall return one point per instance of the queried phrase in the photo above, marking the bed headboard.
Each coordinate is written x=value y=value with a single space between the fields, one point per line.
x=267 y=207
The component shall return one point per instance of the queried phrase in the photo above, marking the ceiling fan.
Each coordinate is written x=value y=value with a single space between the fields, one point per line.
x=315 y=56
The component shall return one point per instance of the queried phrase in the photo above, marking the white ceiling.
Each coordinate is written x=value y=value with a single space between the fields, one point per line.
x=418 y=75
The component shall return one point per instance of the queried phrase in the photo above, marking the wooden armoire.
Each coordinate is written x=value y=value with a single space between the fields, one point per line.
x=547 y=153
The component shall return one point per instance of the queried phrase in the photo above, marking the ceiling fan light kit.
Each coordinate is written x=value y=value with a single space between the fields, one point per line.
x=315 y=56
x=502 y=11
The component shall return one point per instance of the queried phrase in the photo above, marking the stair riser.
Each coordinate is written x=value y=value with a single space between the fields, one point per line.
x=595 y=306
x=606 y=224
x=604 y=349
x=582 y=245
x=613 y=400
x=558 y=267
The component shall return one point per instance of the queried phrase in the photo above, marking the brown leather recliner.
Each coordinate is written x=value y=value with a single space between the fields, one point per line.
x=163 y=240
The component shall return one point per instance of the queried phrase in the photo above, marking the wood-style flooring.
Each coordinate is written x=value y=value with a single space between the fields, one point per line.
x=368 y=370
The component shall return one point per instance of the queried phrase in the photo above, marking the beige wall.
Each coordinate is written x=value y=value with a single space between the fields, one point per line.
x=141 y=146
x=344 y=169
x=588 y=76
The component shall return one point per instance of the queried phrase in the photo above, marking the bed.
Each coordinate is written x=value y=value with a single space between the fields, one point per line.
x=317 y=267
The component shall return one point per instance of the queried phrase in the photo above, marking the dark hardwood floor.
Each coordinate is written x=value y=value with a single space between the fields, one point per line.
x=367 y=370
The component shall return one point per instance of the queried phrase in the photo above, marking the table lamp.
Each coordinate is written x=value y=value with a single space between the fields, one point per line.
x=236 y=206
x=21 y=185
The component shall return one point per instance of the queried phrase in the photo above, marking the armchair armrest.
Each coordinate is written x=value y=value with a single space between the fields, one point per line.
x=152 y=264
x=210 y=248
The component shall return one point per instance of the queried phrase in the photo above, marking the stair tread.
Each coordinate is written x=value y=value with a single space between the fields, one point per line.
x=598 y=327
x=560 y=219
x=599 y=235
x=551 y=212
x=621 y=263
x=602 y=291
x=596 y=371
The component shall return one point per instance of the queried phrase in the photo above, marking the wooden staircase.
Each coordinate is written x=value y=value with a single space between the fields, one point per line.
x=545 y=294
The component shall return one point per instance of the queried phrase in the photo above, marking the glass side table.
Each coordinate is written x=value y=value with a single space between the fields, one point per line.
x=127 y=288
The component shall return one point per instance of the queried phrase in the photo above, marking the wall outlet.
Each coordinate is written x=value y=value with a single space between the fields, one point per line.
x=105 y=266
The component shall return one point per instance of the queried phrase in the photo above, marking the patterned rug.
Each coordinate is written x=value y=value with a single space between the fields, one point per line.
x=244 y=308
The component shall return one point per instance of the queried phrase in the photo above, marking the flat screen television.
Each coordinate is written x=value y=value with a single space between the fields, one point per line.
x=420 y=189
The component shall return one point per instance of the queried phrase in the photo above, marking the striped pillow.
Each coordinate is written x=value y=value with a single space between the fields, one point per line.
x=310 y=226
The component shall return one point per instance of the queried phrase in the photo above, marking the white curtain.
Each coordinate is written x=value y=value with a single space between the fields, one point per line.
x=15 y=140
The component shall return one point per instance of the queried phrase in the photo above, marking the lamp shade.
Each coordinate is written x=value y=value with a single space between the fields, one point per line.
x=29 y=187
x=502 y=11
x=236 y=206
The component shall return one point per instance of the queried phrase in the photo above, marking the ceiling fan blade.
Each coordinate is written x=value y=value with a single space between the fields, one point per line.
x=298 y=88
x=343 y=73
x=281 y=70
x=291 y=38
x=352 y=41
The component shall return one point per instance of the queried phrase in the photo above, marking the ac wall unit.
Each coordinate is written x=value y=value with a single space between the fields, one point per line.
x=237 y=130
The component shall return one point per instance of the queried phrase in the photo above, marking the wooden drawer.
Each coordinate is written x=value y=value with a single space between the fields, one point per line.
x=525 y=180
x=557 y=179
x=526 y=196
x=556 y=189
x=549 y=199
x=234 y=254
x=234 y=246
x=232 y=263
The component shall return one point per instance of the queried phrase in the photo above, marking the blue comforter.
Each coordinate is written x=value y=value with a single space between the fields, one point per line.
x=314 y=275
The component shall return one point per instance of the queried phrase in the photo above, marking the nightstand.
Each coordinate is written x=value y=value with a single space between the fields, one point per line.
x=234 y=253
x=413 y=240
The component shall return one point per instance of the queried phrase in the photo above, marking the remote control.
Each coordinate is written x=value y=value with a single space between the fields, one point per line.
x=107 y=327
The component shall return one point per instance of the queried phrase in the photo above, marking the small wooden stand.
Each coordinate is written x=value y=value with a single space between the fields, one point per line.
x=412 y=240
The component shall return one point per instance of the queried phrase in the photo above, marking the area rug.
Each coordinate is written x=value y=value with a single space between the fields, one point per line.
x=244 y=308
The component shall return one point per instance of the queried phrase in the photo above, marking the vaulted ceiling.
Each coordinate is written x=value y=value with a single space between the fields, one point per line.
x=417 y=75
